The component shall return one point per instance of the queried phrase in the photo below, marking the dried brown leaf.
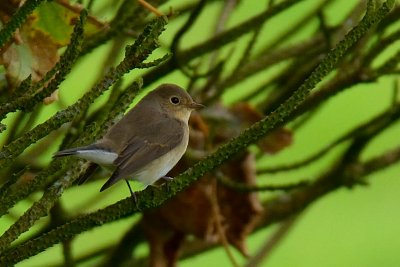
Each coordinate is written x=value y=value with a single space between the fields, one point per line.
x=240 y=210
x=191 y=213
x=35 y=56
x=52 y=98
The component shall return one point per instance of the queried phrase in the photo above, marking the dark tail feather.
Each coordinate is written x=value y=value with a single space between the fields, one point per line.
x=67 y=152
x=73 y=151
x=115 y=177
x=89 y=171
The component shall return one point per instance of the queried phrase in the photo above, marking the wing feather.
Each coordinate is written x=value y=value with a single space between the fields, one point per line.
x=146 y=147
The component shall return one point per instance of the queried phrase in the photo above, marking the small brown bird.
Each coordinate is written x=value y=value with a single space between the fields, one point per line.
x=148 y=141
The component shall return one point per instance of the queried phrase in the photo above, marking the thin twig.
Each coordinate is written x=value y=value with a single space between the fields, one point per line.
x=380 y=120
x=218 y=220
x=242 y=187
x=77 y=9
x=154 y=10
x=220 y=25
x=266 y=249
x=181 y=32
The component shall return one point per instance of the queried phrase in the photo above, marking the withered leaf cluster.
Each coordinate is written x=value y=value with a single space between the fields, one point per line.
x=209 y=210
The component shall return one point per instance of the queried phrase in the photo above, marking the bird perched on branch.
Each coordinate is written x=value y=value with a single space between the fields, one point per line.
x=147 y=142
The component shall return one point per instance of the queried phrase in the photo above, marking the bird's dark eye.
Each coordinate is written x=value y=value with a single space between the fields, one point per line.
x=175 y=100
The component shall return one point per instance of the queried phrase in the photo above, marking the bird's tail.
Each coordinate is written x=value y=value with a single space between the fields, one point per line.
x=78 y=151
x=93 y=153
x=74 y=151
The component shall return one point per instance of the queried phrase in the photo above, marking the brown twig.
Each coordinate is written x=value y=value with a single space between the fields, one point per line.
x=218 y=220
x=266 y=249
x=76 y=8
x=148 y=6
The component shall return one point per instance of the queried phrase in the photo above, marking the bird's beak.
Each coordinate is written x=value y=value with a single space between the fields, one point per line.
x=195 y=105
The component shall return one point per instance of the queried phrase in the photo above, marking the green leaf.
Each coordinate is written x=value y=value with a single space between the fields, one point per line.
x=55 y=21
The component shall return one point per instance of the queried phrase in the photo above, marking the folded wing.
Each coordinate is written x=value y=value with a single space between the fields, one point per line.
x=146 y=147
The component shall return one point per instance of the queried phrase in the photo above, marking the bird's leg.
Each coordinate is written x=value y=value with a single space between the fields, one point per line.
x=133 y=195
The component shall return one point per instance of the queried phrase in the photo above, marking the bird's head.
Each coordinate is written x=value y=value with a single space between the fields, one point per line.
x=174 y=101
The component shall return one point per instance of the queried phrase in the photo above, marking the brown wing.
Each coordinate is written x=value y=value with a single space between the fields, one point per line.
x=155 y=140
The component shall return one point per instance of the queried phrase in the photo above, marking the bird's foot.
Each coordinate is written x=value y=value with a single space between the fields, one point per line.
x=133 y=195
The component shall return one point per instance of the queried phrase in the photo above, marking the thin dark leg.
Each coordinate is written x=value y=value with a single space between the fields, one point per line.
x=133 y=195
